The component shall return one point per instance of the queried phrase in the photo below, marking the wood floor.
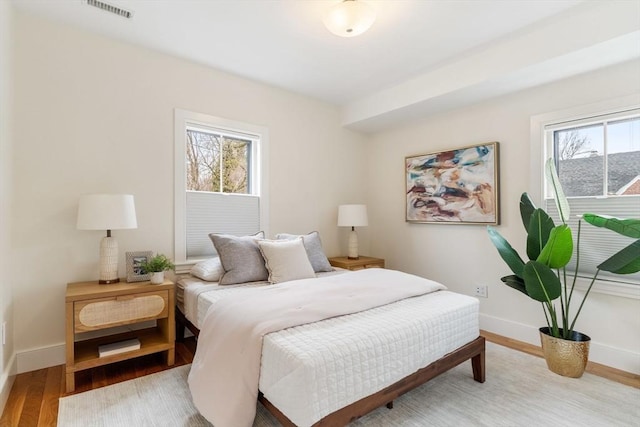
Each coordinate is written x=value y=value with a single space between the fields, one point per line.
x=33 y=400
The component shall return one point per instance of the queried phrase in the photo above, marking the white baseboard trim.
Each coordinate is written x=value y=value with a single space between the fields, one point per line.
x=40 y=358
x=6 y=382
x=600 y=353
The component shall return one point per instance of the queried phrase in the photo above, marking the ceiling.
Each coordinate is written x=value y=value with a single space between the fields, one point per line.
x=415 y=60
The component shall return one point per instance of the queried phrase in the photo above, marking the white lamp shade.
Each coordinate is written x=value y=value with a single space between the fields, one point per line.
x=349 y=18
x=106 y=212
x=352 y=216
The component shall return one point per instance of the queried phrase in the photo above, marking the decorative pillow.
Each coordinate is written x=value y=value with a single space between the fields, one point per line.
x=313 y=246
x=286 y=260
x=240 y=257
x=209 y=270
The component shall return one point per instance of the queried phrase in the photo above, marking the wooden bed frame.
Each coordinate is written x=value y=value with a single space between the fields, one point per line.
x=473 y=350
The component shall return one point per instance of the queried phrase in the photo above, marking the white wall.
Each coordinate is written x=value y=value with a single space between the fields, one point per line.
x=6 y=307
x=461 y=256
x=96 y=115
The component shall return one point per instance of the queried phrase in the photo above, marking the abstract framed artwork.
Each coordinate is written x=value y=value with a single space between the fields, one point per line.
x=458 y=186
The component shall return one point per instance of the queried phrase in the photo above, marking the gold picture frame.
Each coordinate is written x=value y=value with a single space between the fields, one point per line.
x=458 y=186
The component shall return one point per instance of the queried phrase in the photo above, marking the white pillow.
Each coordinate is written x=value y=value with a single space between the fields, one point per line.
x=209 y=270
x=286 y=260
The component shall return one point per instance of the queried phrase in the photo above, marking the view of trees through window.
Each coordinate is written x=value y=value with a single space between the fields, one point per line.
x=585 y=154
x=217 y=162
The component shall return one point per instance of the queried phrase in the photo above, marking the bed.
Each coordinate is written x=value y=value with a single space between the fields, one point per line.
x=331 y=372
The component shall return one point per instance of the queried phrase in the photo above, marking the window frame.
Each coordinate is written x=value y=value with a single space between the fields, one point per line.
x=539 y=153
x=184 y=119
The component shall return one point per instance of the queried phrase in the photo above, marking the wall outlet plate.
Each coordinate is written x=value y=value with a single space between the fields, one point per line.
x=481 y=291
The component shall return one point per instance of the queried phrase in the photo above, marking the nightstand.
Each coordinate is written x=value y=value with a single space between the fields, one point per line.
x=93 y=307
x=356 y=264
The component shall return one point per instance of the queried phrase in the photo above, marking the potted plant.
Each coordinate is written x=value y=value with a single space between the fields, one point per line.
x=544 y=277
x=156 y=266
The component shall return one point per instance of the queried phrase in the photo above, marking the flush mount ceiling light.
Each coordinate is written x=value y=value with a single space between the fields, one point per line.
x=349 y=18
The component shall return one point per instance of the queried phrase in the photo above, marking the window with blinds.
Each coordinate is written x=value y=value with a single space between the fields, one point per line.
x=219 y=183
x=598 y=164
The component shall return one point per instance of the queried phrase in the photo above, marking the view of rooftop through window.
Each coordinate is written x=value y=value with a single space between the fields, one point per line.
x=217 y=162
x=586 y=154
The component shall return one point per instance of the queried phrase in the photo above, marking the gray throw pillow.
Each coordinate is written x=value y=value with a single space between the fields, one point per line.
x=313 y=246
x=240 y=257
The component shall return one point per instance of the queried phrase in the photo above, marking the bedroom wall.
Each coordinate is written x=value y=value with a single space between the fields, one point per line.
x=96 y=115
x=7 y=352
x=462 y=256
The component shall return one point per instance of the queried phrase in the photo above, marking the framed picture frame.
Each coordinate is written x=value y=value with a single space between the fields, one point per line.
x=134 y=270
x=458 y=186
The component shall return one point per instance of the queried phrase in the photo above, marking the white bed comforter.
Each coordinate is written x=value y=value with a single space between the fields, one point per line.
x=226 y=368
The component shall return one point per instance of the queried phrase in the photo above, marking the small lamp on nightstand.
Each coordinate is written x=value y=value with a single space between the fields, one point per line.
x=352 y=216
x=107 y=212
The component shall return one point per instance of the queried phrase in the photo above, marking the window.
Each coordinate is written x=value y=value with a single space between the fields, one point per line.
x=597 y=156
x=219 y=182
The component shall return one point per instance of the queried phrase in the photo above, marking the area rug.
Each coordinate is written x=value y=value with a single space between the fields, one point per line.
x=519 y=391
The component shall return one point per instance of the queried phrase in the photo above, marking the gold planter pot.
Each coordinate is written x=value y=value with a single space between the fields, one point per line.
x=565 y=357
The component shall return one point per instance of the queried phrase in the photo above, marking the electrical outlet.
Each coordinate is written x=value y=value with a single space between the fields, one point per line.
x=482 y=291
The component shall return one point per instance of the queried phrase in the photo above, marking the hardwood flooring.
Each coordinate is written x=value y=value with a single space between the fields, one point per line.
x=33 y=401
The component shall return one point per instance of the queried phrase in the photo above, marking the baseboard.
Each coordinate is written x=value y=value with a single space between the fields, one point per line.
x=6 y=382
x=41 y=358
x=618 y=358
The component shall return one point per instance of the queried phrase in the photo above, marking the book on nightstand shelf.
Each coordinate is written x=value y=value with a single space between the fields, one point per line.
x=118 y=347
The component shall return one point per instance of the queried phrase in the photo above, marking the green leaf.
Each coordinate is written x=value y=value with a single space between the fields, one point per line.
x=559 y=197
x=508 y=254
x=516 y=283
x=540 y=227
x=626 y=261
x=559 y=248
x=526 y=210
x=541 y=282
x=626 y=227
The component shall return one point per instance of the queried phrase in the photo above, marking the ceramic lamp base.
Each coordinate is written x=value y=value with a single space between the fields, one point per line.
x=108 y=261
x=352 y=252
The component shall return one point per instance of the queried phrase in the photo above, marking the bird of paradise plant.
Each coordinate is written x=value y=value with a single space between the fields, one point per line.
x=544 y=276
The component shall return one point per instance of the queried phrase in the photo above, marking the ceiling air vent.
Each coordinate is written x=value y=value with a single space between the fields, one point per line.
x=110 y=8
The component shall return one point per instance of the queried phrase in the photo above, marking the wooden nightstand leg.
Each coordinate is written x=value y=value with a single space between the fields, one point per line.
x=171 y=357
x=71 y=381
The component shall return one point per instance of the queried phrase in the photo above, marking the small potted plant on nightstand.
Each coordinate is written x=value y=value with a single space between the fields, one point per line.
x=156 y=266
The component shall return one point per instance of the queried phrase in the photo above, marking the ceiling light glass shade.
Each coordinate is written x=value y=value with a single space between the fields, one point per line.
x=349 y=18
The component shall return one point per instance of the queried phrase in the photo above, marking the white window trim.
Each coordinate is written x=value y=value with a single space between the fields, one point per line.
x=536 y=176
x=183 y=118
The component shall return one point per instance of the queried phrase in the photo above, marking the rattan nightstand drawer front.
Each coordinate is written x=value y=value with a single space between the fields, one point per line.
x=121 y=310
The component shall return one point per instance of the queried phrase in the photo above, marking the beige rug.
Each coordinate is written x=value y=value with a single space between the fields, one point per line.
x=519 y=391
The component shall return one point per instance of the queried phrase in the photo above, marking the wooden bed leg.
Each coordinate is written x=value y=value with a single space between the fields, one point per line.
x=390 y=405
x=180 y=326
x=477 y=364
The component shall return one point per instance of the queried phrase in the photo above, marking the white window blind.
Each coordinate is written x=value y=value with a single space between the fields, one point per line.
x=598 y=244
x=237 y=214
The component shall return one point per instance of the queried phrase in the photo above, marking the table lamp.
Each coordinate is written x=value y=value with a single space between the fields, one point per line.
x=352 y=216
x=107 y=212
